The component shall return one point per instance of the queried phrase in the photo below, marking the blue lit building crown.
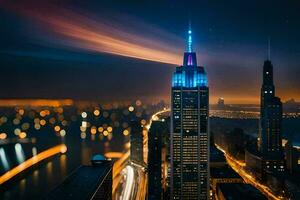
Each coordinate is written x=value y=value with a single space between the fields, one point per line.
x=189 y=75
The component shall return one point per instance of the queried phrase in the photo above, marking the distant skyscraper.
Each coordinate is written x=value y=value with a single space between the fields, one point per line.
x=136 y=143
x=270 y=143
x=189 y=130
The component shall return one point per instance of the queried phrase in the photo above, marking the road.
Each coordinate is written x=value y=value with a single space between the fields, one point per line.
x=239 y=167
x=130 y=180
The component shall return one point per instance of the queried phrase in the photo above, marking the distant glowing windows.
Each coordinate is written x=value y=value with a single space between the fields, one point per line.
x=267 y=72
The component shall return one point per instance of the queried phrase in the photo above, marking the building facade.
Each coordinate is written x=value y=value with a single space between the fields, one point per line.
x=270 y=139
x=155 y=158
x=189 y=130
x=136 y=143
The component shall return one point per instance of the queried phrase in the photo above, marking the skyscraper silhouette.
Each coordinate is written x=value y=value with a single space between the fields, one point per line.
x=189 y=129
x=270 y=143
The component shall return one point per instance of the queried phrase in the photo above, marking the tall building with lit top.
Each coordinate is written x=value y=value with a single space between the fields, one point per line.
x=270 y=139
x=189 y=129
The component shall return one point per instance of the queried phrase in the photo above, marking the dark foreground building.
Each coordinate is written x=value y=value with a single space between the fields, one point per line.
x=136 y=143
x=87 y=182
x=189 y=130
x=156 y=158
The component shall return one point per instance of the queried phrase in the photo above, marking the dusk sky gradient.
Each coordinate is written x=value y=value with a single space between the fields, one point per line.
x=123 y=50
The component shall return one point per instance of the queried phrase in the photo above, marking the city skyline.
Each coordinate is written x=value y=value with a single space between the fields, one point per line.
x=231 y=54
x=136 y=100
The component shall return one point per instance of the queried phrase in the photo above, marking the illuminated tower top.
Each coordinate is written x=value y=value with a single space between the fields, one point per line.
x=189 y=75
x=189 y=58
x=190 y=41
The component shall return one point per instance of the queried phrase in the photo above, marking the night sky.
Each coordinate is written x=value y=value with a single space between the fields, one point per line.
x=123 y=50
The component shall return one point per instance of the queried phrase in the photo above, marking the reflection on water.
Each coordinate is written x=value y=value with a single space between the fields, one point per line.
x=49 y=167
x=35 y=177
x=4 y=159
x=63 y=164
x=34 y=151
x=19 y=153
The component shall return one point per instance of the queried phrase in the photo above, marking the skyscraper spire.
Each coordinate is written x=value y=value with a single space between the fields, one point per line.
x=269 y=49
x=190 y=41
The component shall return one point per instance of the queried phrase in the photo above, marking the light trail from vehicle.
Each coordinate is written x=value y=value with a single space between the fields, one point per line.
x=129 y=182
x=239 y=168
x=32 y=161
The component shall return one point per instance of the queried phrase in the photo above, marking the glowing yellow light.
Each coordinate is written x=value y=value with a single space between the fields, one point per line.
x=131 y=108
x=96 y=112
x=17 y=131
x=22 y=135
x=105 y=133
x=82 y=135
x=3 y=136
x=84 y=115
x=43 y=113
x=145 y=132
x=143 y=122
x=21 y=111
x=57 y=128
x=100 y=129
x=113 y=155
x=63 y=149
x=125 y=132
x=93 y=130
x=82 y=128
x=109 y=129
x=62 y=133
x=84 y=124
x=37 y=126
x=43 y=122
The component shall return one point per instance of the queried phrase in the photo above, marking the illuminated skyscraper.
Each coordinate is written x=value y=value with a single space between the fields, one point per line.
x=189 y=130
x=270 y=144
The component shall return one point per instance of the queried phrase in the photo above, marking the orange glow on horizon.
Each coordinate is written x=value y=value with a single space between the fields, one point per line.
x=35 y=102
x=113 y=154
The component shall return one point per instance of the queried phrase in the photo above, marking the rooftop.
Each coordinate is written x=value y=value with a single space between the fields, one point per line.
x=82 y=183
